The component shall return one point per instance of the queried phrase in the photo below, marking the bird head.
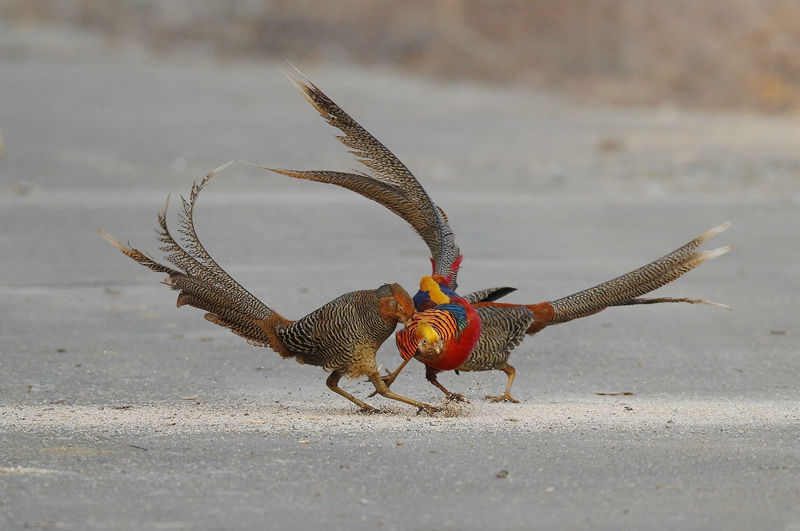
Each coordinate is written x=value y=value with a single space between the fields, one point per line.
x=429 y=344
x=396 y=305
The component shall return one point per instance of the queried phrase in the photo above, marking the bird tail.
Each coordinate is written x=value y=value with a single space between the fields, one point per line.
x=203 y=284
x=488 y=295
x=388 y=182
x=627 y=289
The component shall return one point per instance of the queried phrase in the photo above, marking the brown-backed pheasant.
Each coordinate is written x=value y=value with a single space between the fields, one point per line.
x=504 y=326
x=342 y=336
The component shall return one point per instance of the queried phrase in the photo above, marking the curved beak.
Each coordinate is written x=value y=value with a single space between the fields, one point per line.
x=438 y=347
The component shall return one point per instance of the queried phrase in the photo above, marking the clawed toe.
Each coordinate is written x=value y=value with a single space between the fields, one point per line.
x=455 y=397
x=505 y=397
x=429 y=409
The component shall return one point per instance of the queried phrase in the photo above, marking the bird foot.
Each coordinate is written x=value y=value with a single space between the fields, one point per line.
x=505 y=397
x=455 y=397
x=389 y=378
x=429 y=409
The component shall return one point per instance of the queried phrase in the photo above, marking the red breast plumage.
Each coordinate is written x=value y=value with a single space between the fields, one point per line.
x=443 y=336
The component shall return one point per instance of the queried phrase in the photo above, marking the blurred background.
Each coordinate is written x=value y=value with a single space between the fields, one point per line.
x=737 y=54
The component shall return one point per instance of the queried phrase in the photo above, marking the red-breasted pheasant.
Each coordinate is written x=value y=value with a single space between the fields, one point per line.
x=342 y=336
x=504 y=326
x=443 y=332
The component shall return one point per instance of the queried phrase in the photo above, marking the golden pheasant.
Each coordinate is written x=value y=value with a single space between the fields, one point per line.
x=503 y=326
x=342 y=336
x=443 y=332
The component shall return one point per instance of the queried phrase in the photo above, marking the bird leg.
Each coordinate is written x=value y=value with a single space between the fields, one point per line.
x=389 y=377
x=430 y=375
x=333 y=384
x=510 y=372
x=383 y=389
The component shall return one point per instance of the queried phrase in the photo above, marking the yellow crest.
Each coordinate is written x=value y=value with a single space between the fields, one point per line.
x=426 y=332
x=433 y=289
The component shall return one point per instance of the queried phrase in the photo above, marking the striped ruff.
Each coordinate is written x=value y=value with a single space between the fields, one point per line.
x=443 y=322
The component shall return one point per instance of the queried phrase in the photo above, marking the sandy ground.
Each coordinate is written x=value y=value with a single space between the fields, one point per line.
x=119 y=411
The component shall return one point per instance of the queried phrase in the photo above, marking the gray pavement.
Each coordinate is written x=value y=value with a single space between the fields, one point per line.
x=119 y=411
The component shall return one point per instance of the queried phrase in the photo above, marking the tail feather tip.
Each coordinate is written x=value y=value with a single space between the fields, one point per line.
x=713 y=253
x=110 y=239
x=718 y=229
x=717 y=304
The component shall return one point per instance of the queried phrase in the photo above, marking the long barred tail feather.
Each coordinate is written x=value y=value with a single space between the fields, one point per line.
x=390 y=182
x=659 y=300
x=625 y=290
x=202 y=283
